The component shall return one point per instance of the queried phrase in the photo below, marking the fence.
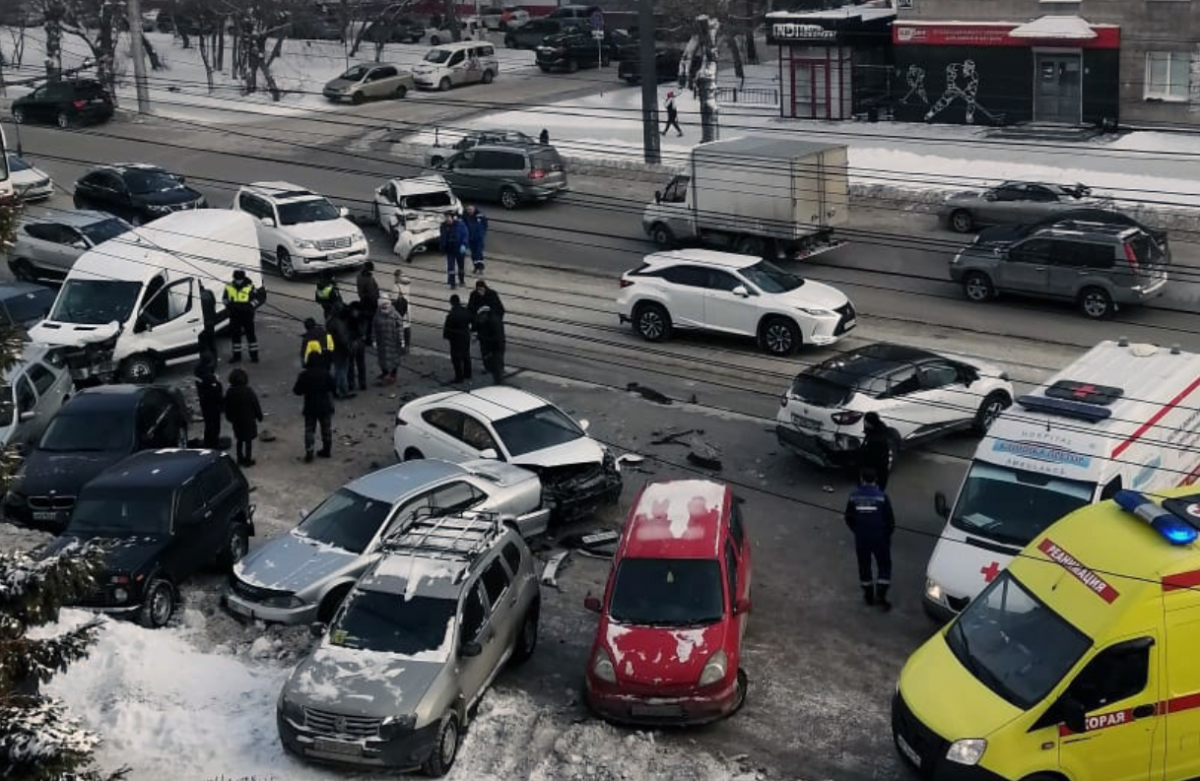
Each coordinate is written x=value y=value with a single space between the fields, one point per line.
x=756 y=96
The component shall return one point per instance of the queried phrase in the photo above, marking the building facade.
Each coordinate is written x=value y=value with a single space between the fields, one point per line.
x=1093 y=62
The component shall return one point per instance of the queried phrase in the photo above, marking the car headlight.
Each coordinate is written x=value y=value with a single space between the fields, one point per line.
x=933 y=590
x=290 y=710
x=157 y=208
x=358 y=238
x=715 y=669
x=967 y=751
x=816 y=312
x=290 y=601
x=394 y=726
x=304 y=244
x=602 y=666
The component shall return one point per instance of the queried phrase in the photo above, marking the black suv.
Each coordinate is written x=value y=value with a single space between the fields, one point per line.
x=64 y=103
x=402 y=30
x=135 y=192
x=530 y=34
x=162 y=516
x=94 y=430
x=573 y=50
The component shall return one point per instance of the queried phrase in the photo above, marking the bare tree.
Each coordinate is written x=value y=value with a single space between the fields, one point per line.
x=53 y=13
x=699 y=67
x=98 y=23
x=256 y=23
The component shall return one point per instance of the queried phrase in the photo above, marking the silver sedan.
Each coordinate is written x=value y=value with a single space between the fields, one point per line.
x=34 y=389
x=1015 y=202
x=47 y=246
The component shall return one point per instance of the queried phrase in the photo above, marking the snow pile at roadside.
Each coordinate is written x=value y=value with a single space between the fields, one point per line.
x=171 y=705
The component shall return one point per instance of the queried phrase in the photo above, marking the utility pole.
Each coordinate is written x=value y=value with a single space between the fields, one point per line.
x=649 y=68
x=134 y=8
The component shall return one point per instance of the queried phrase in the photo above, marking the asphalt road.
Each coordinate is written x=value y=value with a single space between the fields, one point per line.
x=822 y=666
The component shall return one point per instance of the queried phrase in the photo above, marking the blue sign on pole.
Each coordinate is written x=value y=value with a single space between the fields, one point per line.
x=597 y=20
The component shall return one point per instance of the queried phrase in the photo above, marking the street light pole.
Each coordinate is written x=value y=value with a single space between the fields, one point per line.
x=649 y=69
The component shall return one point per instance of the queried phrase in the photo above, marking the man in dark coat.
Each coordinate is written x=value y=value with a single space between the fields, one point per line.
x=368 y=299
x=453 y=239
x=316 y=386
x=316 y=344
x=337 y=327
x=457 y=331
x=869 y=516
x=211 y=396
x=485 y=296
x=208 y=331
x=356 y=371
x=489 y=326
x=477 y=226
x=876 y=451
x=244 y=413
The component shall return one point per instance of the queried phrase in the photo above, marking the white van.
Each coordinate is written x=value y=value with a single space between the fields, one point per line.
x=452 y=64
x=131 y=305
x=1122 y=416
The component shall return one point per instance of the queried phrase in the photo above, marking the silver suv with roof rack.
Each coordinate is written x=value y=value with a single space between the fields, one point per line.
x=299 y=231
x=394 y=680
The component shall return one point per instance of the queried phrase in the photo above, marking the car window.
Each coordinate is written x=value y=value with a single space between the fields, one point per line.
x=464 y=160
x=254 y=206
x=495 y=581
x=1086 y=254
x=688 y=276
x=26 y=398
x=903 y=382
x=1036 y=251
x=456 y=59
x=937 y=375
x=722 y=280
x=731 y=576
x=448 y=421
x=191 y=500
x=476 y=434
x=1036 y=192
x=474 y=613
x=30 y=306
x=487 y=51
x=1009 y=193
x=96 y=179
x=154 y=305
x=512 y=555
x=735 y=525
x=42 y=231
x=42 y=377
x=456 y=497
x=216 y=480
x=1114 y=674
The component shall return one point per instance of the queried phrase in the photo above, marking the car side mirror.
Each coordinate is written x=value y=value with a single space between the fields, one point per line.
x=81 y=244
x=267 y=222
x=490 y=454
x=658 y=196
x=989 y=196
x=1073 y=714
x=471 y=649
x=316 y=629
x=942 y=505
x=592 y=603
x=741 y=607
x=181 y=179
x=344 y=211
x=584 y=424
x=140 y=325
x=27 y=415
x=741 y=292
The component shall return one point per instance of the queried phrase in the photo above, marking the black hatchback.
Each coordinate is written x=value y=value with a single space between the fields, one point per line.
x=135 y=192
x=65 y=103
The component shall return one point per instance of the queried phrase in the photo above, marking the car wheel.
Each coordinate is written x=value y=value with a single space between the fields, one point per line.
x=509 y=43
x=283 y=261
x=662 y=237
x=572 y=66
x=436 y=160
x=19 y=116
x=528 y=639
x=962 y=221
x=652 y=322
x=750 y=245
x=978 y=287
x=1096 y=303
x=445 y=748
x=401 y=92
x=22 y=269
x=356 y=98
x=330 y=604
x=63 y=120
x=488 y=76
x=159 y=604
x=743 y=684
x=412 y=454
x=509 y=198
x=445 y=84
x=780 y=336
x=139 y=369
x=993 y=404
x=236 y=547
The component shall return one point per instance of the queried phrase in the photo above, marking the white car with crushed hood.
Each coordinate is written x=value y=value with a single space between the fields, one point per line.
x=410 y=211
x=578 y=473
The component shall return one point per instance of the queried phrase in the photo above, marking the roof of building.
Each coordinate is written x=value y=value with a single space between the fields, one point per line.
x=676 y=519
x=730 y=151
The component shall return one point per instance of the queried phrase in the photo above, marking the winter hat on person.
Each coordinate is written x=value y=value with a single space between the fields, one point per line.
x=239 y=275
x=480 y=284
x=385 y=303
x=310 y=323
x=454 y=299
x=670 y=94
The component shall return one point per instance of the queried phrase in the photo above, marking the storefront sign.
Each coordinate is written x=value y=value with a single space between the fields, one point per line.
x=908 y=34
x=791 y=31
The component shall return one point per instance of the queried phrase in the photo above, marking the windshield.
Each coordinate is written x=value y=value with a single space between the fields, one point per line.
x=432 y=200
x=316 y=210
x=1014 y=644
x=667 y=592
x=1014 y=505
x=376 y=621
x=87 y=432
x=355 y=74
x=769 y=278
x=536 y=430
x=112 y=510
x=30 y=306
x=95 y=301
x=345 y=520
x=18 y=164
x=437 y=56
x=142 y=182
x=104 y=230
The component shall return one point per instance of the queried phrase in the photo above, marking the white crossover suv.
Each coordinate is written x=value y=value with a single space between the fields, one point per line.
x=299 y=231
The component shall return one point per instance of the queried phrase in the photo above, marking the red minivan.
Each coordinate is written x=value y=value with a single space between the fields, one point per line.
x=669 y=643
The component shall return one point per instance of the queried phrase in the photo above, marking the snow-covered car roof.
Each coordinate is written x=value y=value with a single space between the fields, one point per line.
x=428 y=183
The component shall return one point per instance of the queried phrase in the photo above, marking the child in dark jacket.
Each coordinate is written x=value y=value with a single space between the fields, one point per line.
x=244 y=413
x=211 y=395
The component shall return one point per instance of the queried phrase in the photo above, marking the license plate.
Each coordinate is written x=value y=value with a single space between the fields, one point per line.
x=908 y=751
x=338 y=255
x=807 y=423
x=655 y=711
x=45 y=515
x=337 y=747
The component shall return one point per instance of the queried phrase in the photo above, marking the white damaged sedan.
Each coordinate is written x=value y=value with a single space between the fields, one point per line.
x=410 y=212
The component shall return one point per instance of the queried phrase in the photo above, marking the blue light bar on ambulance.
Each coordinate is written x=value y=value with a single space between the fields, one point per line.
x=1178 y=531
x=1064 y=408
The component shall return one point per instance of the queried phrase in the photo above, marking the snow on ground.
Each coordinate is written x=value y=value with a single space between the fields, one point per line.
x=173 y=704
x=180 y=90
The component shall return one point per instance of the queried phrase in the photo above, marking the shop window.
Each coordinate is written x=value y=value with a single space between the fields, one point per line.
x=1167 y=75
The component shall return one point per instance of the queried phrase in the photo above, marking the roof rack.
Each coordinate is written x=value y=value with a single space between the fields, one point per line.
x=457 y=536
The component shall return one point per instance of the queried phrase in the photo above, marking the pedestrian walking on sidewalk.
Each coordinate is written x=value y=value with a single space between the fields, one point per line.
x=356 y=371
x=368 y=298
x=389 y=341
x=457 y=331
x=244 y=413
x=453 y=239
x=315 y=384
x=477 y=226
x=211 y=396
x=672 y=115
x=489 y=326
x=869 y=516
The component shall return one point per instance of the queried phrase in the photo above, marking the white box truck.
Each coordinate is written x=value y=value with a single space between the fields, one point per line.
x=131 y=305
x=1122 y=416
x=755 y=196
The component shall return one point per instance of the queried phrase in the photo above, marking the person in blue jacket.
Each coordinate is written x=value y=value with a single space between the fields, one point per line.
x=869 y=516
x=454 y=239
x=477 y=225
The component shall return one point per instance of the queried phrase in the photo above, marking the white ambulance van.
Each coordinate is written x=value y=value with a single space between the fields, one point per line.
x=1122 y=416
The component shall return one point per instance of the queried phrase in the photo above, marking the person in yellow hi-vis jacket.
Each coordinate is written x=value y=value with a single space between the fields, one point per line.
x=242 y=299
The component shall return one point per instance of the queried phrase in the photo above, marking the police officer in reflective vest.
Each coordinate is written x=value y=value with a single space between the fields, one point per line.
x=328 y=295
x=869 y=516
x=317 y=343
x=242 y=299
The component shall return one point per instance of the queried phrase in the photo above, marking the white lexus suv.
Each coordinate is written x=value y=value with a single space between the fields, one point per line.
x=299 y=231
x=733 y=294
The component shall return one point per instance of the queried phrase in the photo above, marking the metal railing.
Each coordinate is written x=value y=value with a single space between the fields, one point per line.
x=752 y=96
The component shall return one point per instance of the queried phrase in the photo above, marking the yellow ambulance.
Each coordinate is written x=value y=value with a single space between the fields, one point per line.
x=1080 y=662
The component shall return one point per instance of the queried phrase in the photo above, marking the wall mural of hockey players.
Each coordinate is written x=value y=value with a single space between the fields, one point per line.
x=962 y=83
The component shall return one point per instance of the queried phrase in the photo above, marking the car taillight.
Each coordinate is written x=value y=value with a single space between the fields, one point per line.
x=1131 y=256
x=79 y=104
x=537 y=173
x=847 y=417
x=626 y=282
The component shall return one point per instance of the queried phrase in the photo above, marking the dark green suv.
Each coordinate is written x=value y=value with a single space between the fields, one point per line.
x=64 y=103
